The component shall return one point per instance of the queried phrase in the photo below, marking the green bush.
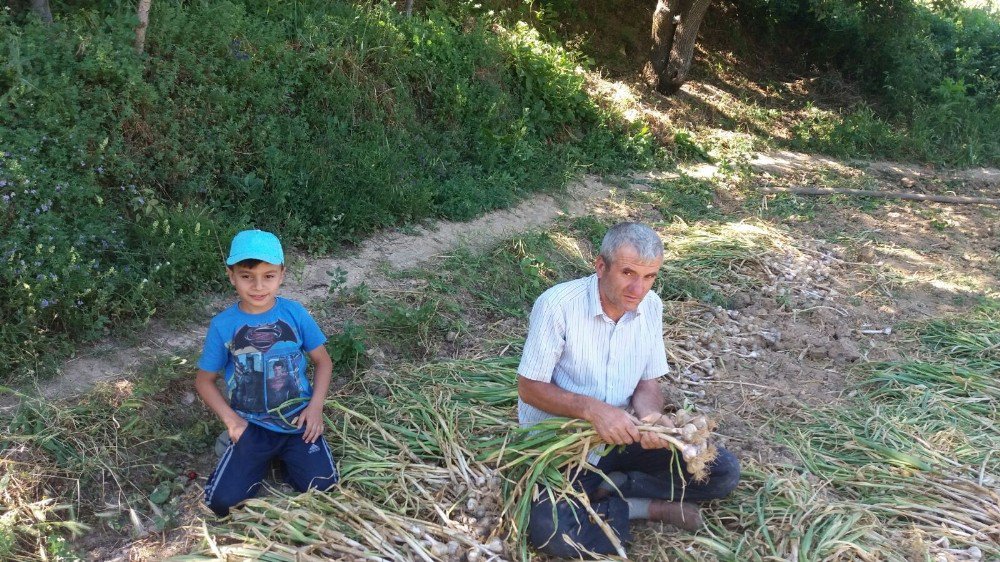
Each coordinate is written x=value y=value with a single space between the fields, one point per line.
x=934 y=71
x=123 y=176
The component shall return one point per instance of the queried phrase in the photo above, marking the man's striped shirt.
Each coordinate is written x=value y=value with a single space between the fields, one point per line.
x=574 y=345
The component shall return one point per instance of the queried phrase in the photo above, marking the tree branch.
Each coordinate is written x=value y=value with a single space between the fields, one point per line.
x=41 y=8
x=140 y=30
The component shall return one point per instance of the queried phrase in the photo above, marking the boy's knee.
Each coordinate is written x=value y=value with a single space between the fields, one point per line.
x=223 y=500
x=221 y=493
x=323 y=484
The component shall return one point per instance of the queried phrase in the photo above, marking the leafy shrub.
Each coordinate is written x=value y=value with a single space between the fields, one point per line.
x=347 y=348
x=934 y=70
x=124 y=176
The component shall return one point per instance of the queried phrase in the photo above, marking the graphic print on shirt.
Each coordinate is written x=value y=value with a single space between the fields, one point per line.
x=268 y=371
x=263 y=337
x=281 y=385
x=246 y=388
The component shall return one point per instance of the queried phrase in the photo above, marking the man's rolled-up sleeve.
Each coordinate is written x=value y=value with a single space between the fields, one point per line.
x=544 y=346
x=657 y=365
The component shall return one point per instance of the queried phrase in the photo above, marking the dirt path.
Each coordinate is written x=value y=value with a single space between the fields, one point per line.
x=396 y=250
x=391 y=249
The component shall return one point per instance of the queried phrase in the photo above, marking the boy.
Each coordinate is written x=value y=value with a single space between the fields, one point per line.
x=260 y=342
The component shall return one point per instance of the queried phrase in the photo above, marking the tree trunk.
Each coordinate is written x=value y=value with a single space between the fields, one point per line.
x=41 y=8
x=675 y=29
x=409 y=8
x=140 y=30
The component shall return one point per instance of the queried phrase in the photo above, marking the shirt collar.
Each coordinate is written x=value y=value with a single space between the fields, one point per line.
x=594 y=298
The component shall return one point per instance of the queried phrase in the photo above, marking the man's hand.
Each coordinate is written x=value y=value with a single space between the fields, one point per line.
x=312 y=419
x=651 y=440
x=236 y=428
x=615 y=426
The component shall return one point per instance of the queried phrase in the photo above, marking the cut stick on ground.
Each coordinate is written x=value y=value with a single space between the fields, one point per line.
x=955 y=199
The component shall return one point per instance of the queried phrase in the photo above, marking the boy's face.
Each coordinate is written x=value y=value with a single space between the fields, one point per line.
x=257 y=286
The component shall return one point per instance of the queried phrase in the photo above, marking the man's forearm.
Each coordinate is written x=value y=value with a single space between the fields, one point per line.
x=557 y=401
x=613 y=425
x=647 y=398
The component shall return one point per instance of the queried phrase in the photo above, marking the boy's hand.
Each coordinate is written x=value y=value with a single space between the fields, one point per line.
x=312 y=419
x=236 y=429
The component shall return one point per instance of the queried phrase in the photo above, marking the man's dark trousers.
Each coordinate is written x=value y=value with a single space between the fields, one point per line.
x=651 y=473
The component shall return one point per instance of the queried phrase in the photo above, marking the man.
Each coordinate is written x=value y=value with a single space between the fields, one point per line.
x=280 y=387
x=595 y=351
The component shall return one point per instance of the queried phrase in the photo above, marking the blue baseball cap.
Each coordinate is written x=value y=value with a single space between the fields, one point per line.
x=256 y=245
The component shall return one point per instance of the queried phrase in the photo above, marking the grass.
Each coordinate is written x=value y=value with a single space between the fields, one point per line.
x=885 y=475
x=686 y=198
x=95 y=462
x=709 y=262
x=705 y=261
x=412 y=323
x=114 y=209
x=432 y=460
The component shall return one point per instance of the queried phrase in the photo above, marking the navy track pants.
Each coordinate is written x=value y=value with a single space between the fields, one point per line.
x=244 y=465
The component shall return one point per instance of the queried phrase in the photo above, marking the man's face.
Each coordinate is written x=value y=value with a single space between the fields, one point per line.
x=624 y=282
x=257 y=286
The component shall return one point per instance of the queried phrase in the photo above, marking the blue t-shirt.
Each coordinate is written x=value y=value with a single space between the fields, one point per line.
x=264 y=357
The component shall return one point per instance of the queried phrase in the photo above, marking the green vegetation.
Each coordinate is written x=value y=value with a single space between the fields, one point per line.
x=687 y=197
x=124 y=176
x=505 y=281
x=931 y=69
x=886 y=473
x=97 y=461
x=879 y=476
x=882 y=474
x=706 y=262
x=412 y=323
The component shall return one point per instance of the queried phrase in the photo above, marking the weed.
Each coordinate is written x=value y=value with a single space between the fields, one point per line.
x=415 y=324
x=101 y=456
x=700 y=260
x=507 y=280
x=687 y=198
x=122 y=177
x=688 y=149
x=869 y=475
x=787 y=206
x=348 y=347
x=678 y=285
x=591 y=229
x=939 y=224
x=932 y=71
x=338 y=280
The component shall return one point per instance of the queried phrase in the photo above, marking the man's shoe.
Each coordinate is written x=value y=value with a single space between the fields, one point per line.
x=681 y=515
